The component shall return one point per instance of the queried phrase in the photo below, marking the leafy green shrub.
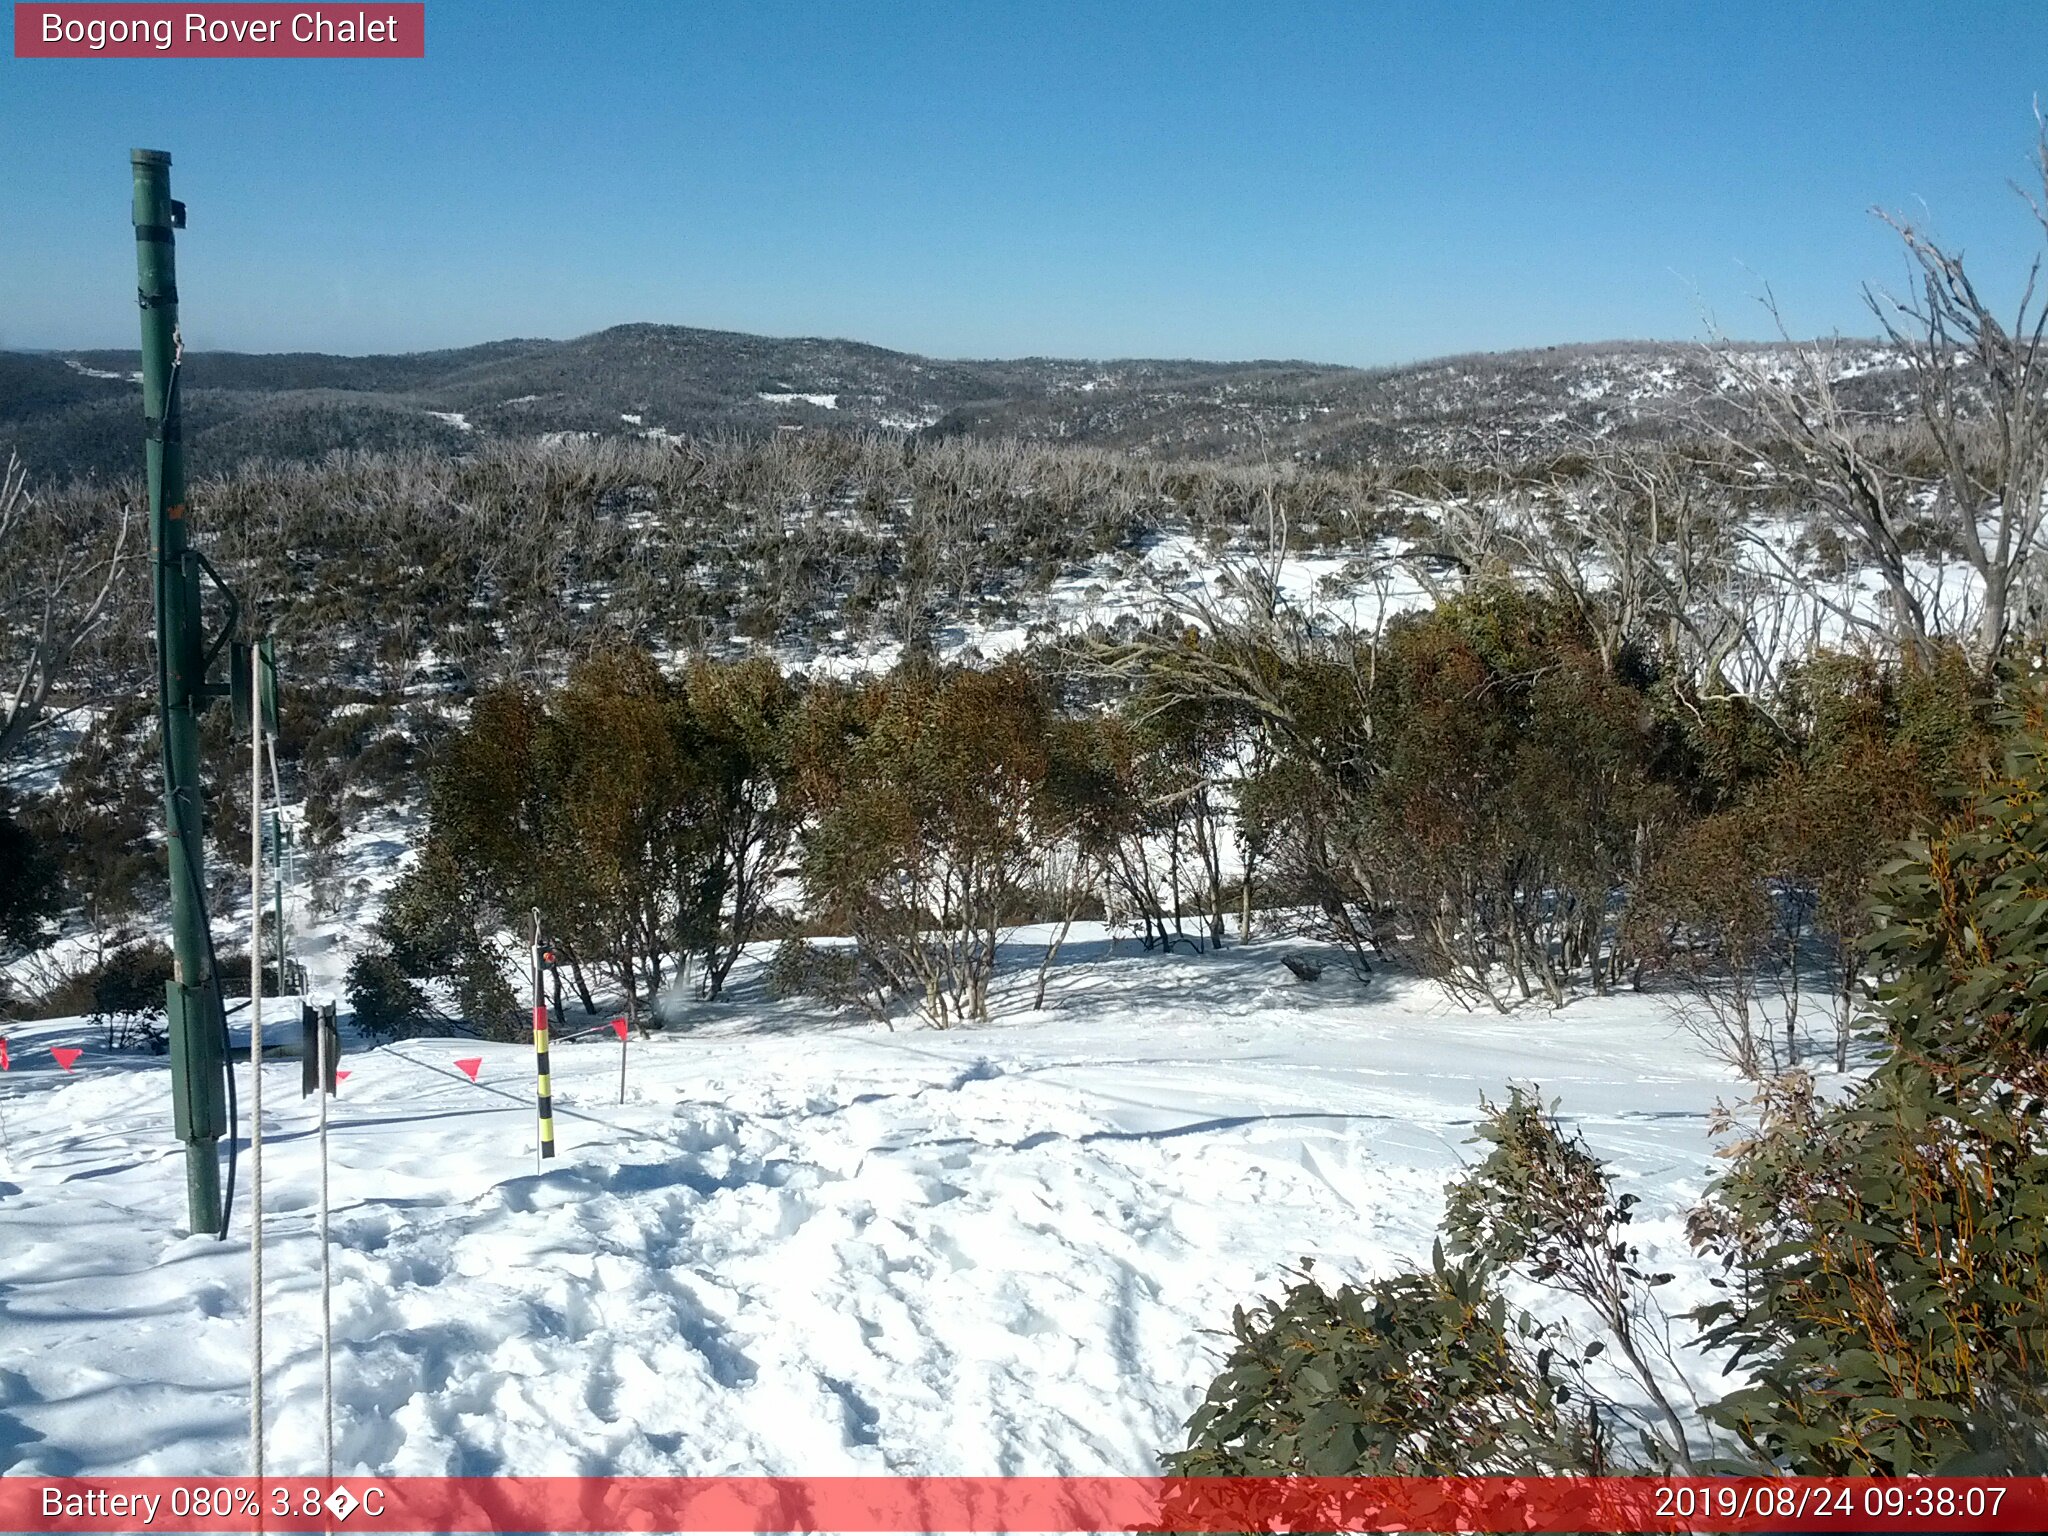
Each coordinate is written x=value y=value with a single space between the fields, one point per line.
x=830 y=972
x=441 y=925
x=128 y=996
x=1896 y=1244
x=387 y=1003
x=1422 y=1374
x=1432 y=1374
x=1540 y=1204
x=29 y=888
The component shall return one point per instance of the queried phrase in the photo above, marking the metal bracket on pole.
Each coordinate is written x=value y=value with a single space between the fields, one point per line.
x=237 y=673
x=199 y=1109
x=320 y=1042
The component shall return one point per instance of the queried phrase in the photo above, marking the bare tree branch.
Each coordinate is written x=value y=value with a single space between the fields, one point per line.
x=67 y=579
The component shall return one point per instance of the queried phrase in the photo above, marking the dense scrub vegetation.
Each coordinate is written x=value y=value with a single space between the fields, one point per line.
x=1882 y=1252
x=639 y=814
x=1546 y=782
x=401 y=586
x=1478 y=797
x=386 y=572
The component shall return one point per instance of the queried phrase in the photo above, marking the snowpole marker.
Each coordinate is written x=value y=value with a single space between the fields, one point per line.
x=620 y=1026
x=544 y=1097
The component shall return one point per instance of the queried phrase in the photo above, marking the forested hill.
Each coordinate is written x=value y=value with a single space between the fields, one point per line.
x=70 y=414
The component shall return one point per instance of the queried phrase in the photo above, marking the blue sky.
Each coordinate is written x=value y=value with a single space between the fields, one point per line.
x=1354 y=183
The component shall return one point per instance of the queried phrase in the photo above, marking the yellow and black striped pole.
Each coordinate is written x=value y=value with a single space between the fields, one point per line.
x=545 y=1102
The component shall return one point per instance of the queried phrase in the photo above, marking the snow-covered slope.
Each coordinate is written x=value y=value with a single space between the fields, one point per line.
x=801 y=1245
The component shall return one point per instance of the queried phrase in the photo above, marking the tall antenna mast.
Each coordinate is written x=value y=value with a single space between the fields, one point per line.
x=192 y=1001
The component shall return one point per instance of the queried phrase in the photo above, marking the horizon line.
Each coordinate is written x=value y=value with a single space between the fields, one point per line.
x=1598 y=345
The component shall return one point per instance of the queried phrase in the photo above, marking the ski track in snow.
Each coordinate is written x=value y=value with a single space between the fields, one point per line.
x=800 y=1246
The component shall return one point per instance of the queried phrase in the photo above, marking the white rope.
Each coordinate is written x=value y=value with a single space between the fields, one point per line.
x=324 y=1068
x=539 y=1002
x=326 y=1268
x=256 y=1059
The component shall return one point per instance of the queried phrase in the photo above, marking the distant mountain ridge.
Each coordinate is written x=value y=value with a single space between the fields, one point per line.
x=76 y=413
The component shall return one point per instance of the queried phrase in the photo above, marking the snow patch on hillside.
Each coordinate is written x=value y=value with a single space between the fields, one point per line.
x=1169 y=576
x=100 y=373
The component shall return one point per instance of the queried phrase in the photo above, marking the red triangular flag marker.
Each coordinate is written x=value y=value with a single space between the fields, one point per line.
x=619 y=1026
x=66 y=1055
x=470 y=1066
x=340 y=1075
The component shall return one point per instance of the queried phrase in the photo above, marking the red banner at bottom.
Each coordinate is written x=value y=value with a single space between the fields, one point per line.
x=1049 y=1504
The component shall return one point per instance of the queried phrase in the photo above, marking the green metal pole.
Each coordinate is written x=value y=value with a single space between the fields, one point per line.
x=192 y=1001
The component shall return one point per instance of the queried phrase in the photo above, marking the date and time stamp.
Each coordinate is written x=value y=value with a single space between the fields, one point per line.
x=1651 y=1506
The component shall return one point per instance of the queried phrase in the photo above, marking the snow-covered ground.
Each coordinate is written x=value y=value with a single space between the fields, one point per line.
x=802 y=1244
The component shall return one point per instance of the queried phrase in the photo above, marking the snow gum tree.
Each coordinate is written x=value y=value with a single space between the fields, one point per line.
x=448 y=924
x=1757 y=907
x=1483 y=779
x=1516 y=790
x=923 y=789
x=62 y=560
x=741 y=717
x=1187 y=745
x=628 y=824
x=641 y=814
